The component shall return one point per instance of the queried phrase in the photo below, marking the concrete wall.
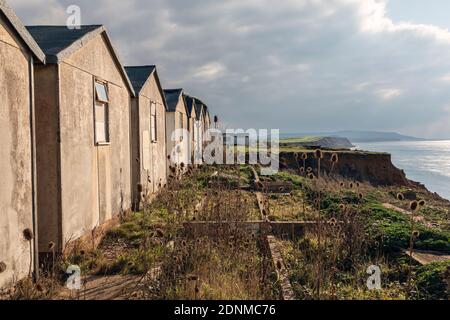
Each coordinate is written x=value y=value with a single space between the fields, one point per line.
x=207 y=121
x=15 y=158
x=198 y=142
x=194 y=139
x=149 y=158
x=203 y=130
x=93 y=181
x=178 y=154
x=191 y=121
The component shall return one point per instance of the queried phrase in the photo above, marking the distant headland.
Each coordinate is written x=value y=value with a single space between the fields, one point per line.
x=350 y=136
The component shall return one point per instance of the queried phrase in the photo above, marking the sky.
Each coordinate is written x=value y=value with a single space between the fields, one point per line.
x=294 y=65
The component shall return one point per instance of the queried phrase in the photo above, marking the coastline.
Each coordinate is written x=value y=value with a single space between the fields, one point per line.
x=425 y=162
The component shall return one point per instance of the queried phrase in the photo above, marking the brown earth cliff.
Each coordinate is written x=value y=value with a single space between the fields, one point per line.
x=376 y=168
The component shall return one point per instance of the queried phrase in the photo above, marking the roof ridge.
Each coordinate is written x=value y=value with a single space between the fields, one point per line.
x=13 y=21
x=57 y=42
x=144 y=66
x=61 y=25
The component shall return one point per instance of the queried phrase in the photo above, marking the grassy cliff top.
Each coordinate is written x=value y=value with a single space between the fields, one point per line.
x=306 y=139
x=299 y=149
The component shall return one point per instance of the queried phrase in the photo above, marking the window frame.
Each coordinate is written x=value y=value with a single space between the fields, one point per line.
x=100 y=101
x=181 y=125
x=98 y=93
x=153 y=122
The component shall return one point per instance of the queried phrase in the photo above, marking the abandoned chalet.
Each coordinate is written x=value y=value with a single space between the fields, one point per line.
x=84 y=139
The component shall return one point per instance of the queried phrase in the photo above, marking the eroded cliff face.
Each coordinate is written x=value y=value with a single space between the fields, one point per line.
x=376 y=168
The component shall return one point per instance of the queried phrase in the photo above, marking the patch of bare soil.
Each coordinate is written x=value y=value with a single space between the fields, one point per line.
x=426 y=257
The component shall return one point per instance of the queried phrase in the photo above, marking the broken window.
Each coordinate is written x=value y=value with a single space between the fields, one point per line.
x=101 y=113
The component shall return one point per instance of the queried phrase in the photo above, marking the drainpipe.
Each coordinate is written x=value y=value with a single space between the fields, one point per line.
x=165 y=144
x=33 y=170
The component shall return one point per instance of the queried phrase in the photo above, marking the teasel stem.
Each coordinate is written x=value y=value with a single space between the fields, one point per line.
x=319 y=261
x=318 y=168
x=413 y=207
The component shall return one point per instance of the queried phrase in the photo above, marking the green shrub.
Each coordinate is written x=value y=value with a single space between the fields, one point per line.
x=295 y=179
x=431 y=281
x=395 y=230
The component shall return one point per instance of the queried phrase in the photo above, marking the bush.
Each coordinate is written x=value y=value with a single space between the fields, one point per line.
x=395 y=231
x=431 y=280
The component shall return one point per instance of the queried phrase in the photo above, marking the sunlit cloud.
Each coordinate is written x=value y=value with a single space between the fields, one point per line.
x=210 y=71
x=388 y=94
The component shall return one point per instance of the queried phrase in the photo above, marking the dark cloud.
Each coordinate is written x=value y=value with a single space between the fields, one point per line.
x=297 y=65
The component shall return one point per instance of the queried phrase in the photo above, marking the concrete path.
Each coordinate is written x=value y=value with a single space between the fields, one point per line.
x=280 y=268
x=426 y=257
x=116 y=287
x=417 y=218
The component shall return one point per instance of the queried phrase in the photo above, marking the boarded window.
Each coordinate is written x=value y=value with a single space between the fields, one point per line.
x=180 y=120
x=153 y=124
x=101 y=116
x=145 y=150
x=180 y=125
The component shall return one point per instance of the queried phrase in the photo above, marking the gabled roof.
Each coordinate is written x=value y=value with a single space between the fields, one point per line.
x=8 y=14
x=172 y=98
x=58 y=42
x=207 y=113
x=199 y=107
x=140 y=75
x=190 y=105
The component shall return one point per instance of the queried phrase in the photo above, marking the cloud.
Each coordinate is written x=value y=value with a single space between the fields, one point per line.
x=297 y=65
x=388 y=94
x=210 y=71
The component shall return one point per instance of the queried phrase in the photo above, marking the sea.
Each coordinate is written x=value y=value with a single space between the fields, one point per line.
x=427 y=162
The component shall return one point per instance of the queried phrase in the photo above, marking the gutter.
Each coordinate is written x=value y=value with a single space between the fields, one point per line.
x=33 y=169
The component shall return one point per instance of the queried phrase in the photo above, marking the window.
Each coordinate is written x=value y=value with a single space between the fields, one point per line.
x=101 y=92
x=101 y=116
x=153 y=128
x=180 y=122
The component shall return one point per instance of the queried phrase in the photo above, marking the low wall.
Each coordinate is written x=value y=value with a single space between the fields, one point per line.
x=284 y=230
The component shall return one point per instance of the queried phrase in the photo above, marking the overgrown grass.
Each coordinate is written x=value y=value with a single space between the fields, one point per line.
x=433 y=281
x=393 y=230
x=225 y=269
